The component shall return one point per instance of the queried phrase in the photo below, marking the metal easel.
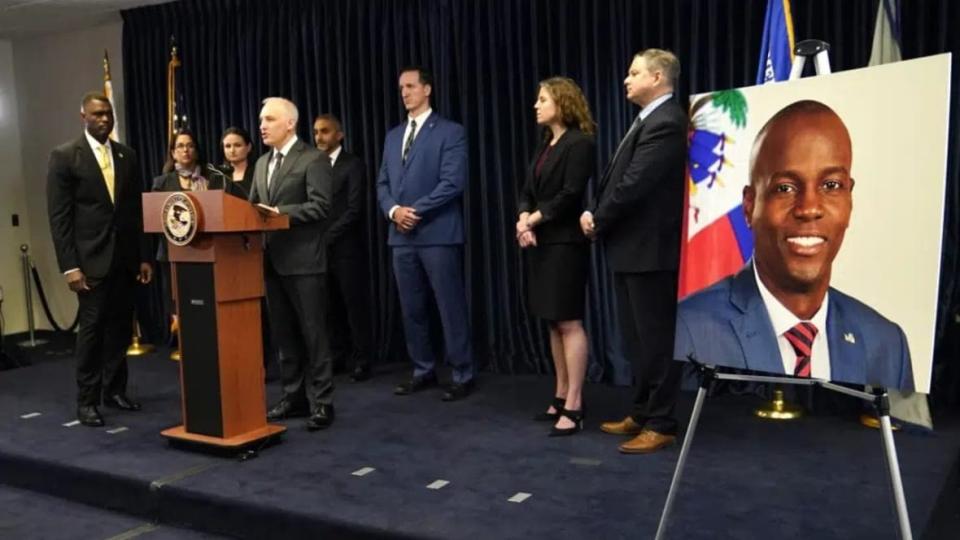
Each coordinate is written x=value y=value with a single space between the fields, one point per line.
x=818 y=50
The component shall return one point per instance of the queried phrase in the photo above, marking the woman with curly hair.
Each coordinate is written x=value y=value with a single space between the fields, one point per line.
x=557 y=253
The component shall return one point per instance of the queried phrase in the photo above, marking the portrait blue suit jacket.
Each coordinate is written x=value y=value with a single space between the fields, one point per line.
x=431 y=181
x=727 y=325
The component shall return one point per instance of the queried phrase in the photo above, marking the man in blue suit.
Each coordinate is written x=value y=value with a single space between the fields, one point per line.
x=779 y=313
x=422 y=176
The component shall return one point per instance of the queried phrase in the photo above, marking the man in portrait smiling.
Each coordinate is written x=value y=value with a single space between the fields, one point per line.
x=779 y=314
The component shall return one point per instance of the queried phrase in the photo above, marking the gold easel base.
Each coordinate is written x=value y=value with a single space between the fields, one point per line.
x=138 y=349
x=872 y=422
x=778 y=409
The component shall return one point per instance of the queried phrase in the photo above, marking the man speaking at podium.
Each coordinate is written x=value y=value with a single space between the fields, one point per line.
x=293 y=179
x=96 y=220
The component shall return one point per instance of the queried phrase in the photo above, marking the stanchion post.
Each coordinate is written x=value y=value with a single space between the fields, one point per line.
x=28 y=295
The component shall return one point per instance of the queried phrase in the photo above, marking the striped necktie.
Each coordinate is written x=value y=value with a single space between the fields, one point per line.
x=409 y=143
x=801 y=337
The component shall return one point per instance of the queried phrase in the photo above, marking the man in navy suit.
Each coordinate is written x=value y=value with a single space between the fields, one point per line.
x=422 y=176
x=779 y=313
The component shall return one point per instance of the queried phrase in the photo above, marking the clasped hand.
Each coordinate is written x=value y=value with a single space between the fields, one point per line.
x=405 y=218
x=587 y=225
x=525 y=235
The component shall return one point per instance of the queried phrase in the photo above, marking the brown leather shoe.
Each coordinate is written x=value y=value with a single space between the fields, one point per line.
x=624 y=427
x=646 y=442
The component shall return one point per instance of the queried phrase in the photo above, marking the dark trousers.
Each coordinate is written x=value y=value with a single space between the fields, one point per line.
x=438 y=271
x=349 y=310
x=647 y=308
x=105 y=328
x=297 y=306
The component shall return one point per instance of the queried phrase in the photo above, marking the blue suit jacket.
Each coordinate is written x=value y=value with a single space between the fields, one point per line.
x=432 y=182
x=727 y=325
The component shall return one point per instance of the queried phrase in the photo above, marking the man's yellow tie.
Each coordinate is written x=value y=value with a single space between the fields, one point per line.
x=107 y=169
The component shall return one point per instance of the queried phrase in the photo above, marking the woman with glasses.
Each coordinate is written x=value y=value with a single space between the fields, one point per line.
x=188 y=174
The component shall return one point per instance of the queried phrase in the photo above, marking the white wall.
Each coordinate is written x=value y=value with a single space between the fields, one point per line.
x=52 y=73
x=12 y=197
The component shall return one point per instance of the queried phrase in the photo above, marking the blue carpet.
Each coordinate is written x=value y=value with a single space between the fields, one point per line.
x=821 y=477
x=30 y=515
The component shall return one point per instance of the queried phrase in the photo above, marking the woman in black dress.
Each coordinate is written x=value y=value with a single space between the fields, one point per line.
x=236 y=146
x=557 y=253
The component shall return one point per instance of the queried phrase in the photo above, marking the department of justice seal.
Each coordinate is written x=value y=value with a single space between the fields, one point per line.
x=180 y=218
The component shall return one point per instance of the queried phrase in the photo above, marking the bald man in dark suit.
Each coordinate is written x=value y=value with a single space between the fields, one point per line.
x=96 y=220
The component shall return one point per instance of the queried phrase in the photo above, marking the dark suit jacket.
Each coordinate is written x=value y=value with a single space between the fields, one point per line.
x=301 y=190
x=558 y=192
x=727 y=325
x=638 y=213
x=432 y=181
x=89 y=231
x=344 y=237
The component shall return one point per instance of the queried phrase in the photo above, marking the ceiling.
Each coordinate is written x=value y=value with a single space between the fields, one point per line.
x=27 y=18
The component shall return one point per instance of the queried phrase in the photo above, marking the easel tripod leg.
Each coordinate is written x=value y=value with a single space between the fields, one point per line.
x=681 y=461
x=896 y=483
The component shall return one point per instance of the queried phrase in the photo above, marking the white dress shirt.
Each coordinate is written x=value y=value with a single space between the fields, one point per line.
x=273 y=157
x=420 y=119
x=652 y=106
x=334 y=155
x=783 y=319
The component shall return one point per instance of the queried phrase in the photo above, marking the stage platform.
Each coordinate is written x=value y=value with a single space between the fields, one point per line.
x=416 y=467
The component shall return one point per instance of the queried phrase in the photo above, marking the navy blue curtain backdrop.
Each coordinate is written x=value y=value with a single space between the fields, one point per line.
x=342 y=56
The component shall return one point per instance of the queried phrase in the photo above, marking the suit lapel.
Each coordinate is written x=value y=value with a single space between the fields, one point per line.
x=260 y=177
x=847 y=353
x=420 y=139
x=553 y=158
x=119 y=172
x=753 y=328
x=87 y=160
x=621 y=153
x=285 y=166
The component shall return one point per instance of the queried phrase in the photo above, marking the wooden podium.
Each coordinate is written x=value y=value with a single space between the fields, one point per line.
x=216 y=252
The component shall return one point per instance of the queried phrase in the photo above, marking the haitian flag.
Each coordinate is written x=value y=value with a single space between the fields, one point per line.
x=716 y=239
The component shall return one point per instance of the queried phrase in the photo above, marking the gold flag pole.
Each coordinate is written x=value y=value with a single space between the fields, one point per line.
x=135 y=348
x=171 y=127
x=171 y=88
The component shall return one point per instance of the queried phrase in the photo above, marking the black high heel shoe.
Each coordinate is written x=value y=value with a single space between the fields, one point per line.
x=557 y=404
x=576 y=417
